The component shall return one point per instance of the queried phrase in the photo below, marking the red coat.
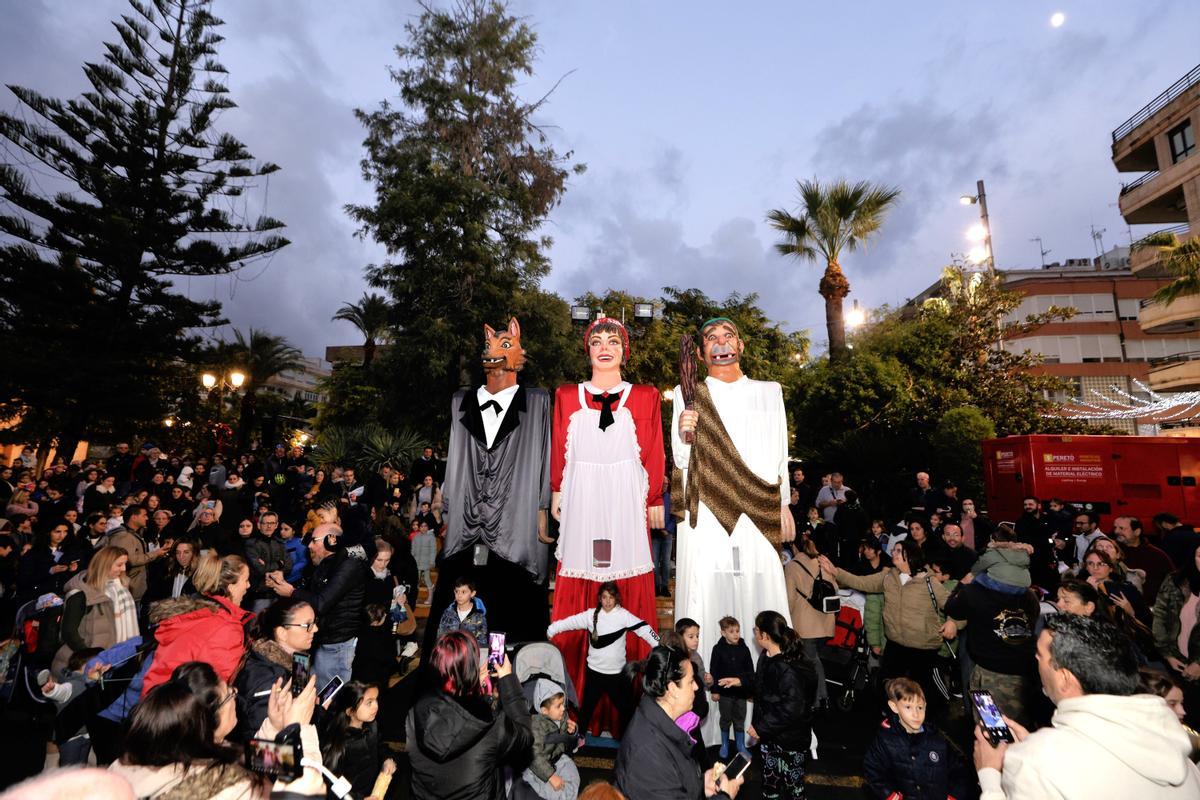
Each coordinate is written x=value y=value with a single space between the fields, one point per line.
x=193 y=630
x=644 y=404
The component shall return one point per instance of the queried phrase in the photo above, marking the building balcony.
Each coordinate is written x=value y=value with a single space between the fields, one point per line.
x=1145 y=260
x=1178 y=373
x=1179 y=317
x=1157 y=197
x=1133 y=140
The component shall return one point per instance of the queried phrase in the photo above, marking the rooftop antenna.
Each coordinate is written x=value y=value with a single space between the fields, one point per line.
x=1041 y=250
x=1098 y=240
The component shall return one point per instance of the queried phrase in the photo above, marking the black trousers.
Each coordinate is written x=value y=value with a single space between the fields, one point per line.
x=909 y=662
x=616 y=688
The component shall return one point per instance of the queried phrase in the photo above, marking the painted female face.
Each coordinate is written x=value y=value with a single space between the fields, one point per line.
x=605 y=350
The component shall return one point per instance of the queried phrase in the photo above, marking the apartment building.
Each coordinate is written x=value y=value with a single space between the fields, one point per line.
x=1160 y=141
x=302 y=381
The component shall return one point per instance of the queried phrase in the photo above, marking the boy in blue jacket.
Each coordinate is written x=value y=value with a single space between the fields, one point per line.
x=910 y=759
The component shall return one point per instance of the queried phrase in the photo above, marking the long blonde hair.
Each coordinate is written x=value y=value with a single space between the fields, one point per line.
x=215 y=574
x=101 y=563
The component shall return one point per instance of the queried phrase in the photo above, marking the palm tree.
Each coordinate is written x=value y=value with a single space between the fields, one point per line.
x=833 y=219
x=370 y=316
x=262 y=357
x=1182 y=261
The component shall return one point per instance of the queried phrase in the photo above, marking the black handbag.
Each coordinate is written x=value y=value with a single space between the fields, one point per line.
x=821 y=589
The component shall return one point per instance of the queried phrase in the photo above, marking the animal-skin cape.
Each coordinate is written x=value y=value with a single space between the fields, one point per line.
x=718 y=477
x=493 y=494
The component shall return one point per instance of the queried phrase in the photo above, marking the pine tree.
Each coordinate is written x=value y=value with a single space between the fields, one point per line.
x=121 y=190
x=464 y=179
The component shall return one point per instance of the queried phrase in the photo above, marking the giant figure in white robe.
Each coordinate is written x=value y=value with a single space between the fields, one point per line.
x=736 y=473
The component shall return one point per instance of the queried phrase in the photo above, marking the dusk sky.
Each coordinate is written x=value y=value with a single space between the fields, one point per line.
x=694 y=119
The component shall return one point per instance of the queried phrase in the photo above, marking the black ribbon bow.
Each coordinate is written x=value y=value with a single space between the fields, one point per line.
x=493 y=405
x=606 y=401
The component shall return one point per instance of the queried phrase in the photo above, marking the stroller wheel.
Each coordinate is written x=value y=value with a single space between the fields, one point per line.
x=845 y=700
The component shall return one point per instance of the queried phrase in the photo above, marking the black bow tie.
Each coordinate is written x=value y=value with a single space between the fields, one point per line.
x=607 y=401
x=492 y=404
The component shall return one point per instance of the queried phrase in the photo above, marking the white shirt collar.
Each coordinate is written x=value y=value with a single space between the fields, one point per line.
x=620 y=387
x=503 y=397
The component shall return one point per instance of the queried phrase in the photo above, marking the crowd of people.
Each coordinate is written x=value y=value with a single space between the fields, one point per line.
x=223 y=627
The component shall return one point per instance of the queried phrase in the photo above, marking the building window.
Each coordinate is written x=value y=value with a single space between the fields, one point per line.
x=1182 y=141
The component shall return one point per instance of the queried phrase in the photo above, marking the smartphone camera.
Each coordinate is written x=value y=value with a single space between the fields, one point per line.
x=301 y=670
x=275 y=759
x=990 y=719
x=496 y=643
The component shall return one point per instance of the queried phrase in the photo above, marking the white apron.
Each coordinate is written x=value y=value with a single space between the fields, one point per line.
x=603 y=530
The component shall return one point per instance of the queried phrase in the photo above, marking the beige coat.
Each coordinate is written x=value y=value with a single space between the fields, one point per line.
x=156 y=781
x=909 y=617
x=135 y=546
x=808 y=621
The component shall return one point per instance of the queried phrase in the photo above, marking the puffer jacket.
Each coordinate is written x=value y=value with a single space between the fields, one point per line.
x=909 y=617
x=204 y=628
x=914 y=766
x=265 y=663
x=1167 y=609
x=782 y=712
x=456 y=749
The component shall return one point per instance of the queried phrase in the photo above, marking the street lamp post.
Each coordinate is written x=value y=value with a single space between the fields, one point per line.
x=231 y=380
x=980 y=198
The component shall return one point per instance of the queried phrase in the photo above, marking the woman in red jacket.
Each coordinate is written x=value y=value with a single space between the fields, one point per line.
x=209 y=628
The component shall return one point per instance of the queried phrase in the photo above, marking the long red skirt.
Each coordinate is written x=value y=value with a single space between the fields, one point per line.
x=572 y=595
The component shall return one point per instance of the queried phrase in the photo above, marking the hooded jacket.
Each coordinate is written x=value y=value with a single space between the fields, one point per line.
x=456 y=752
x=1100 y=745
x=202 y=628
x=265 y=662
x=909 y=616
x=550 y=739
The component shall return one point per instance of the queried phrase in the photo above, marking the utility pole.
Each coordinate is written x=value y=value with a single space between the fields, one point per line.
x=987 y=226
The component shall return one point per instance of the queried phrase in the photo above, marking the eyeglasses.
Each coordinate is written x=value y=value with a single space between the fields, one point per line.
x=308 y=626
x=232 y=694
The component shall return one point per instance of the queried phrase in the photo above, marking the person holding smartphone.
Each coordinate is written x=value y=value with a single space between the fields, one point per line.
x=285 y=628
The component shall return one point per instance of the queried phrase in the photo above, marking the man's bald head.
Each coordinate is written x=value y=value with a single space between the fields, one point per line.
x=318 y=548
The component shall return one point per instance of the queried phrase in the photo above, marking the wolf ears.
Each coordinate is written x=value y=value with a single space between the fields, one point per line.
x=514 y=329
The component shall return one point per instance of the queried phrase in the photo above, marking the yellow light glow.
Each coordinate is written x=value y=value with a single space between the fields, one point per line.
x=237 y=379
x=168 y=422
x=668 y=395
x=855 y=317
x=978 y=254
x=209 y=380
x=976 y=233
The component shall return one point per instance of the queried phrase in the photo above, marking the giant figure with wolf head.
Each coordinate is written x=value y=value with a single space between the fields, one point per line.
x=496 y=491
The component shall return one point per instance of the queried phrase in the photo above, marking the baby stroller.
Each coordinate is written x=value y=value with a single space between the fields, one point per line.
x=543 y=660
x=846 y=656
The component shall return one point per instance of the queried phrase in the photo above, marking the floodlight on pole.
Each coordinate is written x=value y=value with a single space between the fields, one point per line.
x=209 y=380
x=580 y=313
x=980 y=198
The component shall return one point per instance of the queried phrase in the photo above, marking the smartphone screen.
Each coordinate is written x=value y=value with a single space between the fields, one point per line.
x=496 y=649
x=990 y=718
x=736 y=766
x=268 y=757
x=301 y=668
x=330 y=689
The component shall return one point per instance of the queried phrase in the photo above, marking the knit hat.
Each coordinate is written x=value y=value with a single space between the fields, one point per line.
x=543 y=690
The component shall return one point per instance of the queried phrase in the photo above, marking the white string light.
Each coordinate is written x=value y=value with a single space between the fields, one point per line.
x=1174 y=407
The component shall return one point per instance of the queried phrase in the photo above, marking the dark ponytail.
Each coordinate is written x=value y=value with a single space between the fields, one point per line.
x=772 y=625
x=609 y=587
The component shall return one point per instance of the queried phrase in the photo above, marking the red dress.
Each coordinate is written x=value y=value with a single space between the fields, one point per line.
x=572 y=465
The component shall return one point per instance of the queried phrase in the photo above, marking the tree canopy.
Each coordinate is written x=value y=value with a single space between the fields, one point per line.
x=134 y=182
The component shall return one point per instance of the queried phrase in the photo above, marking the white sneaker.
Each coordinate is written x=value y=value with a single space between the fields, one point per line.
x=409 y=650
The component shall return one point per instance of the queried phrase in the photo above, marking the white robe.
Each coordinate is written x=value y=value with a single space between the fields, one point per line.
x=707 y=587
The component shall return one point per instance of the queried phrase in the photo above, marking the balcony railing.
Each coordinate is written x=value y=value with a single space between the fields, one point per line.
x=1129 y=187
x=1157 y=104
x=1192 y=355
x=1180 y=231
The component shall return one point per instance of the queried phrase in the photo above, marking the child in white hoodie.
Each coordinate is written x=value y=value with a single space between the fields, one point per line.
x=606 y=625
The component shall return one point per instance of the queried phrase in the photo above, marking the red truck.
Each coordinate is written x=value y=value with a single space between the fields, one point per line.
x=1117 y=476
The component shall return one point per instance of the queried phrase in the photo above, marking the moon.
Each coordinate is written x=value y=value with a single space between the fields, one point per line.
x=1057 y=19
